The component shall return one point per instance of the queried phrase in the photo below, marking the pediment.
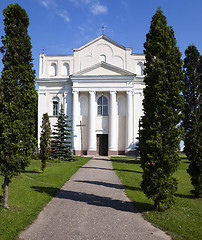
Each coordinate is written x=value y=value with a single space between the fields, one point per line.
x=104 y=37
x=103 y=69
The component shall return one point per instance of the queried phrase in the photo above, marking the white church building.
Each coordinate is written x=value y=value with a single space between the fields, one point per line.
x=100 y=87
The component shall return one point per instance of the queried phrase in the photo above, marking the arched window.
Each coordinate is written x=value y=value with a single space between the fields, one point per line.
x=53 y=69
x=65 y=69
x=121 y=106
x=140 y=68
x=102 y=106
x=102 y=58
x=55 y=106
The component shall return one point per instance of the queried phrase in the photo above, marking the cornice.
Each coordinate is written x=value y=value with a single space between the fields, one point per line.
x=102 y=78
x=52 y=80
x=106 y=66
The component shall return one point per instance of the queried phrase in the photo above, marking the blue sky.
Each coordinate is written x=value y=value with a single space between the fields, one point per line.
x=61 y=25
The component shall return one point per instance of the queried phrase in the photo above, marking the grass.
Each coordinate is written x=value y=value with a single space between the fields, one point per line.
x=183 y=220
x=30 y=192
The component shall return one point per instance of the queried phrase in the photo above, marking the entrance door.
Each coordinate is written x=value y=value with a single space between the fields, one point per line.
x=102 y=144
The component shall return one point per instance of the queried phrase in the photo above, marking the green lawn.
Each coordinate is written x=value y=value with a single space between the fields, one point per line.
x=30 y=192
x=183 y=220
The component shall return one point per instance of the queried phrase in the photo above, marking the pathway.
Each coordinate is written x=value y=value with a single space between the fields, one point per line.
x=92 y=205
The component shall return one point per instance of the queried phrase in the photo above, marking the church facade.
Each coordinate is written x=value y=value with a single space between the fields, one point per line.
x=101 y=89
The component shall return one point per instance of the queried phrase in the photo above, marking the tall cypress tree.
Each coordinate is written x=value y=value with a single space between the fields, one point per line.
x=45 y=141
x=162 y=106
x=192 y=116
x=61 y=139
x=19 y=99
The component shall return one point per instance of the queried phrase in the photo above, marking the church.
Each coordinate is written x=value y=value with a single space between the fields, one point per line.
x=100 y=87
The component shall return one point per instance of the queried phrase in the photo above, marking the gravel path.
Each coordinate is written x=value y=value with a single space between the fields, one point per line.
x=92 y=205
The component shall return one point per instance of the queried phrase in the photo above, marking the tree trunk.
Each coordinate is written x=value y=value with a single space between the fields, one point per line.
x=5 y=196
x=157 y=205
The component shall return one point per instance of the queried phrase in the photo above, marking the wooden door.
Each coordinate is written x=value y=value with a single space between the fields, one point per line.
x=102 y=144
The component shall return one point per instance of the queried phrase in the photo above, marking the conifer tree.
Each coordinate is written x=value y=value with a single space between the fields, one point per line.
x=19 y=100
x=45 y=141
x=162 y=106
x=192 y=122
x=61 y=138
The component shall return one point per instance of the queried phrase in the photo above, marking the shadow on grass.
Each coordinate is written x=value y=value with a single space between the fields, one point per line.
x=126 y=161
x=125 y=170
x=185 y=196
x=144 y=207
x=49 y=190
x=33 y=171
x=109 y=169
x=90 y=199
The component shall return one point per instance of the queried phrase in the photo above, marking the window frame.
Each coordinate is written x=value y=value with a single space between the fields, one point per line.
x=102 y=108
x=55 y=106
x=53 y=69
x=65 y=69
x=102 y=58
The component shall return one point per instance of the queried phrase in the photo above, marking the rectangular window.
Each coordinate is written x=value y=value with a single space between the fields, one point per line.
x=102 y=106
x=55 y=108
x=99 y=110
x=105 y=110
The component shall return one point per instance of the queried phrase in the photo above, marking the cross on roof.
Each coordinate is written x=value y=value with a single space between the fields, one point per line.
x=103 y=29
x=43 y=50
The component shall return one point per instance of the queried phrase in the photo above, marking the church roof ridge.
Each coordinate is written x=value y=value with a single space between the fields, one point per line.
x=98 y=38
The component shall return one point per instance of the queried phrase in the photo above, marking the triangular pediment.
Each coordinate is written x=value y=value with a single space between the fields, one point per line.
x=103 y=69
x=104 y=37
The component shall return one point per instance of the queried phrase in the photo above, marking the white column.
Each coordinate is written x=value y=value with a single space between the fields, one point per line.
x=113 y=122
x=75 y=120
x=137 y=115
x=91 y=128
x=41 y=111
x=41 y=66
x=129 y=122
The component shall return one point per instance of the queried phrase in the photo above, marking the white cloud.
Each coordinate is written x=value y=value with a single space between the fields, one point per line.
x=86 y=1
x=98 y=9
x=81 y=29
x=64 y=16
x=45 y=4
x=48 y=3
x=52 y=6
x=76 y=3
x=94 y=6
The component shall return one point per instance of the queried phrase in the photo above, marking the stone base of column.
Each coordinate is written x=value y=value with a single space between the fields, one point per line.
x=79 y=153
x=120 y=152
x=91 y=152
x=131 y=153
x=76 y=152
x=113 y=153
